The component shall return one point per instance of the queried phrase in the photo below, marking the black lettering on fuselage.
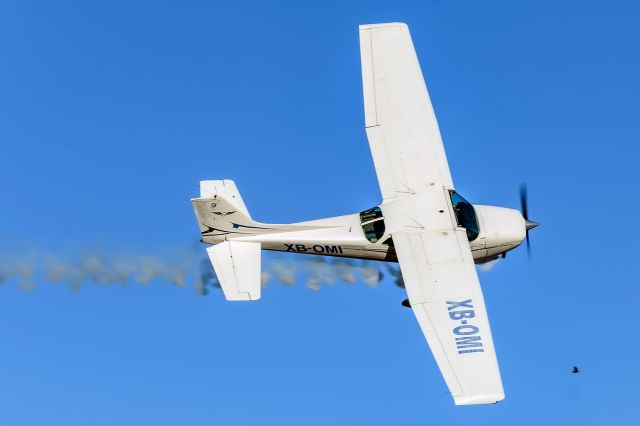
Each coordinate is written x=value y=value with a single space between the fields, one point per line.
x=320 y=249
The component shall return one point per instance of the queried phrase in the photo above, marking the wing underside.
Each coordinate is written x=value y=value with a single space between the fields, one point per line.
x=446 y=298
x=399 y=119
x=433 y=252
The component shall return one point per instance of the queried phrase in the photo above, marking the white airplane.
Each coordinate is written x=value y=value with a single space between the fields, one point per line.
x=422 y=223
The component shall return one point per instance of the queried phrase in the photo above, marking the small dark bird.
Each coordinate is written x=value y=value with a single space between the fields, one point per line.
x=575 y=370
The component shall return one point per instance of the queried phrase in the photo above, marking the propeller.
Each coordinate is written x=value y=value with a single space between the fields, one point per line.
x=524 y=208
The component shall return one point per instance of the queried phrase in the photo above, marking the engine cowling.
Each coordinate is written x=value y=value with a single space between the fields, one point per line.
x=501 y=230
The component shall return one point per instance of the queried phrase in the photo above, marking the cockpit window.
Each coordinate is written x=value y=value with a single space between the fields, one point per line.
x=372 y=224
x=465 y=215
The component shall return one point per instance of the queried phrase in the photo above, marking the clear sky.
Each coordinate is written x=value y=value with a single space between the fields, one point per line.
x=112 y=111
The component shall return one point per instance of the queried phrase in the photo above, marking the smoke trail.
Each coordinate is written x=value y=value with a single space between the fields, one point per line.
x=186 y=268
x=27 y=268
x=318 y=271
x=207 y=278
x=22 y=271
x=396 y=274
x=190 y=268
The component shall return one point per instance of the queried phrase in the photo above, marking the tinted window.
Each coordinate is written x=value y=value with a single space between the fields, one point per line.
x=372 y=224
x=465 y=215
x=371 y=214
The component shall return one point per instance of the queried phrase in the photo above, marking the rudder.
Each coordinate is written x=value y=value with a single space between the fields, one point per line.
x=225 y=189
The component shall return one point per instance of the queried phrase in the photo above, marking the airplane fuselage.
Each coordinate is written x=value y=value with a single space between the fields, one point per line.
x=354 y=236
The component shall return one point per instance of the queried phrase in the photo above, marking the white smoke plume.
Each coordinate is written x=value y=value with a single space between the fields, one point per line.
x=317 y=271
x=90 y=267
x=191 y=269
x=394 y=271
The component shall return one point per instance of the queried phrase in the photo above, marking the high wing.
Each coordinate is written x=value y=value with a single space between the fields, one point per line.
x=433 y=251
x=399 y=119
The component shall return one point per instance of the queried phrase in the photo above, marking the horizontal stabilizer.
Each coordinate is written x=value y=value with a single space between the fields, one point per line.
x=237 y=266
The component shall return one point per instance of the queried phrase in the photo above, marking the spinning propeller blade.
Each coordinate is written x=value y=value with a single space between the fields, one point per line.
x=524 y=208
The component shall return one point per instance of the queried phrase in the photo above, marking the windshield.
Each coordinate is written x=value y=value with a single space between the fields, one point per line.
x=465 y=215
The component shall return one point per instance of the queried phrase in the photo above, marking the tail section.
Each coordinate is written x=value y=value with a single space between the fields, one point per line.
x=224 y=220
x=222 y=214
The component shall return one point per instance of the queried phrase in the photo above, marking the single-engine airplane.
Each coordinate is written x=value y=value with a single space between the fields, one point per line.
x=423 y=223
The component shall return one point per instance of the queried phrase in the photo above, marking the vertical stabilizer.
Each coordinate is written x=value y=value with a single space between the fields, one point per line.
x=225 y=189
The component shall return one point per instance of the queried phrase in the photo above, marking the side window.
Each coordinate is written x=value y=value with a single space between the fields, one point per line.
x=465 y=215
x=370 y=215
x=372 y=224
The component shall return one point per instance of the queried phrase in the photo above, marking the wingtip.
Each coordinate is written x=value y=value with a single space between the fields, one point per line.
x=486 y=398
x=388 y=24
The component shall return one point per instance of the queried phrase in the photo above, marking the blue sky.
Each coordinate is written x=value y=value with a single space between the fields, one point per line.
x=111 y=112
